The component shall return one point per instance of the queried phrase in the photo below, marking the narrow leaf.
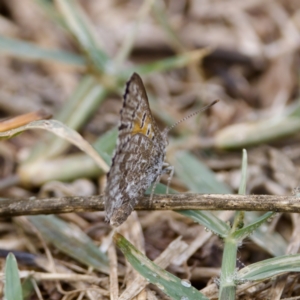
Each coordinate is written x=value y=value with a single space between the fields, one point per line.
x=247 y=230
x=273 y=243
x=196 y=176
x=242 y=188
x=170 y=63
x=269 y=268
x=12 y=287
x=276 y=127
x=70 y=167
x=62 y=131
x=31 y=51
x=238 y=221
x=70 y=240
x=209 y=221
x=79 y=107
x=168 y=283
x=79 y=25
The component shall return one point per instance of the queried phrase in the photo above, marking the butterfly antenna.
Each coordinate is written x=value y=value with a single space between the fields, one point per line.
x=191 y=115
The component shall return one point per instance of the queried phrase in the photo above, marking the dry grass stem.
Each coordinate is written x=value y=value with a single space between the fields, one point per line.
x=184 y=201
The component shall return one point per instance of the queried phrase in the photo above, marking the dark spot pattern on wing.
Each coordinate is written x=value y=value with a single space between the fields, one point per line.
x=143 y=119
x=123 y=126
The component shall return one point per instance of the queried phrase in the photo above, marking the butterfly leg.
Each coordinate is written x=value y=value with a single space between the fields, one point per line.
x=154 y=186
x=170 y=170
x=165 y=169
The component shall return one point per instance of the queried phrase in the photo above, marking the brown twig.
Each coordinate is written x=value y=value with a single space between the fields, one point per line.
x=34 y=206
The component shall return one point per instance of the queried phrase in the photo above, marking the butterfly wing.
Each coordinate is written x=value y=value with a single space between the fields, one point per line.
x=138 y=156
x=136 y=115
x=132 y=173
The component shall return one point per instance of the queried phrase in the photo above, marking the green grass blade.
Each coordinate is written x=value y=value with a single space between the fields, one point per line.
x=64 y=132
x=261 y=131
x=161 y=16
x=31 y=51
x=107 y=142
x=12 y=286
x=178 y=61
x=196 y=176
x=74 y=103
x=167 y=282
x=78 y=24
x=27 y=288
x=50 y=10
x=38 y=172
x=71 y=167
x=209 y=221
x=248 y=230
x=269 y=268
x=77 y=117
x=272 y=243
x=242 y=187
x=228 y=268
x=239 y=215
x=128 y=41
x=80 y=106
x=66 y=169
x=70 y=240
x=227 y=284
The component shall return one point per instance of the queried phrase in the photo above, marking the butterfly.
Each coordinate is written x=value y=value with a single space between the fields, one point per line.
x=138 y=160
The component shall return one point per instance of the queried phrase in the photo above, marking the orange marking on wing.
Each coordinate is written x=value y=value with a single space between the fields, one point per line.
x=137 y=127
